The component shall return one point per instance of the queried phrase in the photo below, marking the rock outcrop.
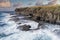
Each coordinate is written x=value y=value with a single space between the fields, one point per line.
x=27 y=27
x=49 y=14
x=24 y=27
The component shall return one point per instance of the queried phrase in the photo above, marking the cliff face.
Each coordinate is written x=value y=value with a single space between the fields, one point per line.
x=49 y=14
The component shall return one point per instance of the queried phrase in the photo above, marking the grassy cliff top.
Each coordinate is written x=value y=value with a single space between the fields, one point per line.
x=43 y=6
x=55 y=9
x=48 y=7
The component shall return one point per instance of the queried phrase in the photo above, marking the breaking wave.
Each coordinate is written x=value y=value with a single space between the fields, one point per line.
x=9 y=31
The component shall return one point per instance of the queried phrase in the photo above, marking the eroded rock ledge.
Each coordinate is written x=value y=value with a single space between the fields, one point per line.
x=50 y=14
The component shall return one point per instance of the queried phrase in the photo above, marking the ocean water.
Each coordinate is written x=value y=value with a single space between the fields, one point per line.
x=9 y=31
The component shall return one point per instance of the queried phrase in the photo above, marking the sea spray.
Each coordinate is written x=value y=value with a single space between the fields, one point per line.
x=10 y=31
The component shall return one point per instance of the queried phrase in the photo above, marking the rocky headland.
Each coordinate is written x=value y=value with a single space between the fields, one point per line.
x=50 y=14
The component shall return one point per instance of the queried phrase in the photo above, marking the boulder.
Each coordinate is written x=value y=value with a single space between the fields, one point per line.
x=24 y=27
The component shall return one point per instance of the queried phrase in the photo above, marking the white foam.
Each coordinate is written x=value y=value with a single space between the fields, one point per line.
x=41 y=34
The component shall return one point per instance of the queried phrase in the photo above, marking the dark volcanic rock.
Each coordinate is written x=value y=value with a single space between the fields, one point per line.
x=24 y=27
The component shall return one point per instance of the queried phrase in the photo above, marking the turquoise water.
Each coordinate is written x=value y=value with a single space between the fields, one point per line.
x=9 y=31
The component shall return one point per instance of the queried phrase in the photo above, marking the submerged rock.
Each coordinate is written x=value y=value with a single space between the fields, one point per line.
x=27 y=27
x=24 y=27
x=15 y=19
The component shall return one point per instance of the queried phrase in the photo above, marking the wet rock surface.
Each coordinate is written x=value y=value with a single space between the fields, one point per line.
x=24 y=27
x=27 y=27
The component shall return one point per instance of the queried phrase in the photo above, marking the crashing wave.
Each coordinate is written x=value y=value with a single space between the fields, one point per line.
x=9 y=31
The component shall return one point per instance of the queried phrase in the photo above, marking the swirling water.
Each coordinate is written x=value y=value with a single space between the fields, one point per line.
x=9 y=31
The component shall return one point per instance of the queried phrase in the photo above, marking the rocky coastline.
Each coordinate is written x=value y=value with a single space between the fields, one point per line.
x=50 y=14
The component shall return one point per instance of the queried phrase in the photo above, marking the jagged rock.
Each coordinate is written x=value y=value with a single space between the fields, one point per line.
x=27 y=27
x=50 y=14
x=24 y=27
